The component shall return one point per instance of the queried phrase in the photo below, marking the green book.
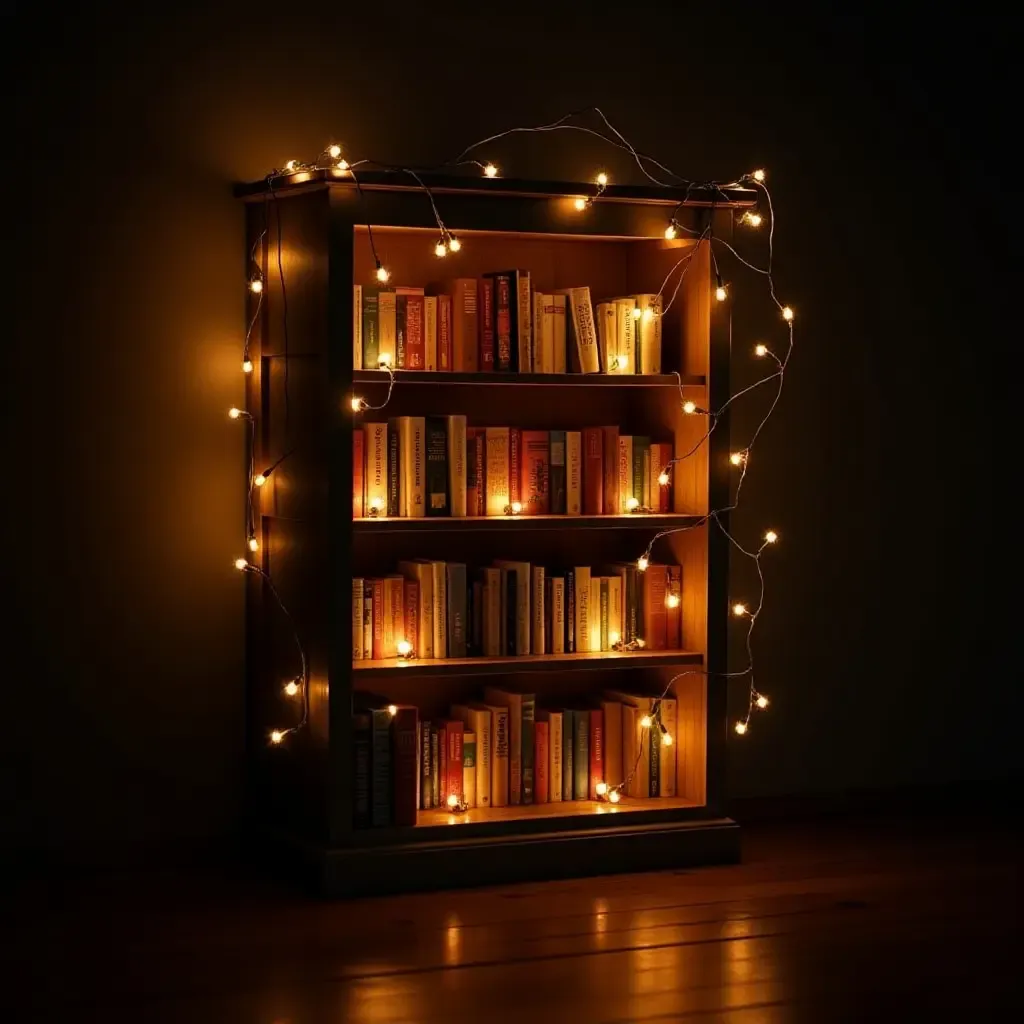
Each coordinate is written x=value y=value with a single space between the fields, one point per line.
x=371 y=327
x=529 y=746
x=568 y=743
x=641 y=450
x=581 y=756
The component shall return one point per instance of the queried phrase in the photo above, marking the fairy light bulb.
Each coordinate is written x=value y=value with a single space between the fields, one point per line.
x=760 y=351
x=617 y=363
x=762 y=701
x=440 y=250
x=255 y=286
x=787 y=313
x=739 y=609
x=290 y=166
x=392 y=710
x=666 y=739
x=276 y=737
x=334 y=151
x=454 y=244
x=741 y=728
x=234 y=413
x=632 y=504
x=720 y=293
x=601 y=789
x=254 y=544
x=646 y=722
x=342 y=165
x=642 y=562
x=689 y=408
x=382 y=274
x=246 y=366
x=770 y=537
x=647 y=314
x=384 y=360
x=404 y=648
x=758 y=175
x=670 y=232
x=491 y=171
x=602 y=179
x=357 y=404
x=291 y=688
x=614 y=797
x=752 y=218
x=672 y=601
x=736 y=458
x=259 y=479
x=663 y=479
x=613 y=637
x=580 y=203
x=453 y=800
x=241 y=564
x=641 y=643
x=517 y=507
x=637 y=312
x=377 y=504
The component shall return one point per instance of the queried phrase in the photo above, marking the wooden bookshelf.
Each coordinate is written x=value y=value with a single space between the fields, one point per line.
x=312 y=547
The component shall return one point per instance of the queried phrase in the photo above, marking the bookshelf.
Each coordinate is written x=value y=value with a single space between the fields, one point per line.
x=301 y=795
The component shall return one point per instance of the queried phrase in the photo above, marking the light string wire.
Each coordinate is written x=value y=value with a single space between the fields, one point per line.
x=741 y=459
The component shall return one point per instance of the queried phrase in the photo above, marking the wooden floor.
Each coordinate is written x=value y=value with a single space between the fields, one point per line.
x=819 y=924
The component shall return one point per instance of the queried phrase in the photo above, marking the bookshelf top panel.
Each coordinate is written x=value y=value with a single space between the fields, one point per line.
x=735 y=196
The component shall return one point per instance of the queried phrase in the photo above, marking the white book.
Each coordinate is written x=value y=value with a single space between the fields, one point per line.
x=457 y=465
x=537 y=611
x=667 y=764
x=440 y=609
x=525 y=322
x=547 y=335
x=580 y=324
x=573 y=472
x=554 y=720
x=608 y=336
x=626 y=332
x=492 y=612
x=499 y=753
x=423 y=573
x=376 y=435
x=558 y=331
x=558 y=615
x=411 y=433
x=430 y=332
x=357 y=326
x=522 y=571
x=387 y=326
x=357 y=619
x=614 y=609
x=477 y=720
x=496 y=466
x=583 y=610
x=496 y=696
x=649 y=333
x=538 y=332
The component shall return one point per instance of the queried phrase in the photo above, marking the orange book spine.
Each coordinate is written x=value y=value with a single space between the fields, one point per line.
x=655 y=617
x=358 y=469
x=664 y=493
x=673 y=631
x=515 y=464
x=415 y=347
x=444 y=333
x=593 y=471
x=464 y=325
x=541 y=787
x=534 y=488
x=610 y=470
x=596 y=750
x=378 y=619
x=486 y=304
x=412 y=612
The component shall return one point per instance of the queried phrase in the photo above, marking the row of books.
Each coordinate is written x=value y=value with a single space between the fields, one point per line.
x=438 y=466
x=498 y=323
x=506 y=751
x=434 y=609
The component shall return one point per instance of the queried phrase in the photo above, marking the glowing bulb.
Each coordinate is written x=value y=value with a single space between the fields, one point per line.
x=290 y=166
x=601 y=788
x=382 y=275
x=614 y=797
x=276 y=736
x=517 y=507
x=259 y=479
x=440 y=250
x=241 y=564
x=454 y=244
x=760 y=350
x=255 y=286
x=602 y=179
x=613 y=637
x=632 y=503
x=758 y=175
x=689 y=408
x=646 y=721
x=736 y=458
x=580 y=203
x=670 y=232
x=334 y=151
x=453 y=800
x=234 y=413
x=753 y=219
x=642 y=562
x=637 y=312
x=617 y=363
x=641 y=643
x=342 y=165
x=663 y=479
x=254 y=544
x=771 y=537
x=392 y=710
x=246 y=366
x=787 y=313
x=672 y=601
x=762 y=701
x=666 y=739
x=384 y=360
x=739 y=609
x=648 y=314
x=741 y=728
x=377 y=503
x=404 y=648
x=357 y=404
x=291 y=688
x=491 y=171
x=720 y=293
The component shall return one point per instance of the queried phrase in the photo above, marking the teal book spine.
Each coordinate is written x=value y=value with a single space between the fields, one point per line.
x=529 y=747
x=581 y=756
x=568 y=742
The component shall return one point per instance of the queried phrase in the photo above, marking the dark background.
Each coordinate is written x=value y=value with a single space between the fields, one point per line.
x=881 y=644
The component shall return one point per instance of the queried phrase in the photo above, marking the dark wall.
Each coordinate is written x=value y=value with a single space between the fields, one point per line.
x=879 y=645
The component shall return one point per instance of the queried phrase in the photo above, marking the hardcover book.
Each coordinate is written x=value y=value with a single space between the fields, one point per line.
x=574 y=472
x=553 y=721
x=358 y=473
x=465 y=342
x=529 y=708
x=430 y=332
x=669 y=711
x=607 y=336
x=506 y=308
x=534 y=490
x=558 y=331
x=456 y=586
x=469 y=768
x=358 y=589
x=444 y=333
x=497 y=469
x=368 y=619
x=568 y=746
x=499 y=753
x=426 y=792
x=556 y=472
x=541 y=749
x=376 y=435
x=400 y=304
x=476 y=490
x=406 y=765
x=582 y=335
x=394 y=469
x=626 y=333
x=477 y=720
x=380 y=768
x=437 y=467
x=611 y=504
x=593 y=471
x=521 y=572
x=378 y=620
x=412 y=454
x=415 y=346
x=357 y=326
x=513 y=702
x=641 y=468
x=371 y=327
x=387 y=311
x=485 y=303
x=457 y=454
x=655 y=585
x=597 y=770
x=515 y=464
x=581 y=756
x=411 y=631
x=649 y=333
x=423 y=574
x=583 y=617
x=537 y=610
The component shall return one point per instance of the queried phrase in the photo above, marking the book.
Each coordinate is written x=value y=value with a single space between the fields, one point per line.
x=647 y=476
x=665 y=456
x=378 y=620
x=626 y=334
x=435 y=764
x=371 y=327
x=419 y=749
x=477 y=721
x=524 y=322
x=400 y=303
x=415 y=345
x=515 y=465
x=529 y=708
x=469 y=768
x=641 y=468
x=436 y=476
x=361 y=724
x=673 y=616
x=568 y=746
x=611 y=712
x=534 y=489
x=556 y=472
x=539 y=346
x=625 y=471
x=597 y=769
x=581 y=755
x=376 y=435
x=406 y=764
x=594 y=615
x=499 y=753
x=553 y=721
x=522 y=604
x=580 y=332
x=394 y=614
x=615 y=630
x=610 y=503
x=541 y=747
x=465 y=329
x=570 y=611
x=358 y=588
x=655 y=621
x=394 y=469
x=491 y=616
x=604 y=602
x=557 y=615
x=426 y=793
x=669 y=712
x=654 y=753
x=444 y=333
x=656 y=466
x=380 y=767
x=358 y=473
x=583 y=619
x=430 y=332
x=606 y=318
x=455 y=428
x=574 y=473
x=485 y=307
x=453 y=730
x=649 y=333
x=475 y=612
x=506 y=309
x=636 y=741
x=456 y=589
x=497 y=697
x=558 y=331
x=387 y=313
x=357 y=327
x=440 y=609
x=423 y=574
x=476 y=490
x=412 y=454
x=368 y=619
x=537 y=616
x=496 y=470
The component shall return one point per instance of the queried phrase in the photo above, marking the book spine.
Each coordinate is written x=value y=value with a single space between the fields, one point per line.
x=511 y=612
x=394 y=621
x=376 y=466
x=654 y=758
x=654 y=610
x=604 y=316
x=371 y=328
x=406 y=766
x=361 y=759
x=456 y=610
x=411 y=595
x=437 y=467
x=570 y=612
x=548 y=637
x=496 y=470
x=426 y=793
x=474 y=472
x=557 y=616
x=647 y=477
x=596 y=751
x=415 y=347
x=610 y=471
x=440 y=607
x=387 y=311
x=537 y=616
x=524 y=323
x=500 y=757
x=412 y=460
x=529 y=708
x=594 y=616
x=430 y=332
x=357 y=327
x=581 y=756
x=486 y=307
x=668 y=770
x=401 y=305
x=503 y=322
x=640 y=446
x=515 y=460
x=444 y=333
x=593 y=472
x=559 y=331
x=538 y=333
x=673 y=616
x=632 y=623
x=555 y=758
x=358 y=474
x=457 y=453
x=574 y=472
x=625 y=470
x=469 y=768
x=611 y=715
x=394 y=469
x=484 y=739
x=358 y=587
x=583 y=329
x=605 y=615
x=556 y=472
x=568 y=746
x=368 y=619
x=378 y=620
x=464 y=326
x=583 y=610
x=535 y=490
x=541 y=746
x=380 y=768
x=442 y=764
x=435 y=766
x=492 y=613
x=475 y=645
x=615 y=630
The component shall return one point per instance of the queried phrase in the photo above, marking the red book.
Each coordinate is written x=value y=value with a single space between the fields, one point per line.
x=596 y=750
x=540 y=771
x=378 y=619
x=485 y=302
x=412 y=612
x=593 y=471
x=673 y=634
x=503 y=322
x=453 y=761
x=358 y=468
x=611 y=471
x=415 y=346
x=515 y=464
x=465 y=346
x=664 y=502
x=655 y=618
x=405 y=765
x=396 y=597
x=534 y=488
x=444 y=333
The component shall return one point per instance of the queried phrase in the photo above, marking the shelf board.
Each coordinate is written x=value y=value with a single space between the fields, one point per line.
x=526 y=663
x=500 y=524
x=551 y=380
x=563 y=809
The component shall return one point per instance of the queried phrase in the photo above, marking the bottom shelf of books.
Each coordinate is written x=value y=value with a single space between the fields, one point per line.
x=561 y=809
